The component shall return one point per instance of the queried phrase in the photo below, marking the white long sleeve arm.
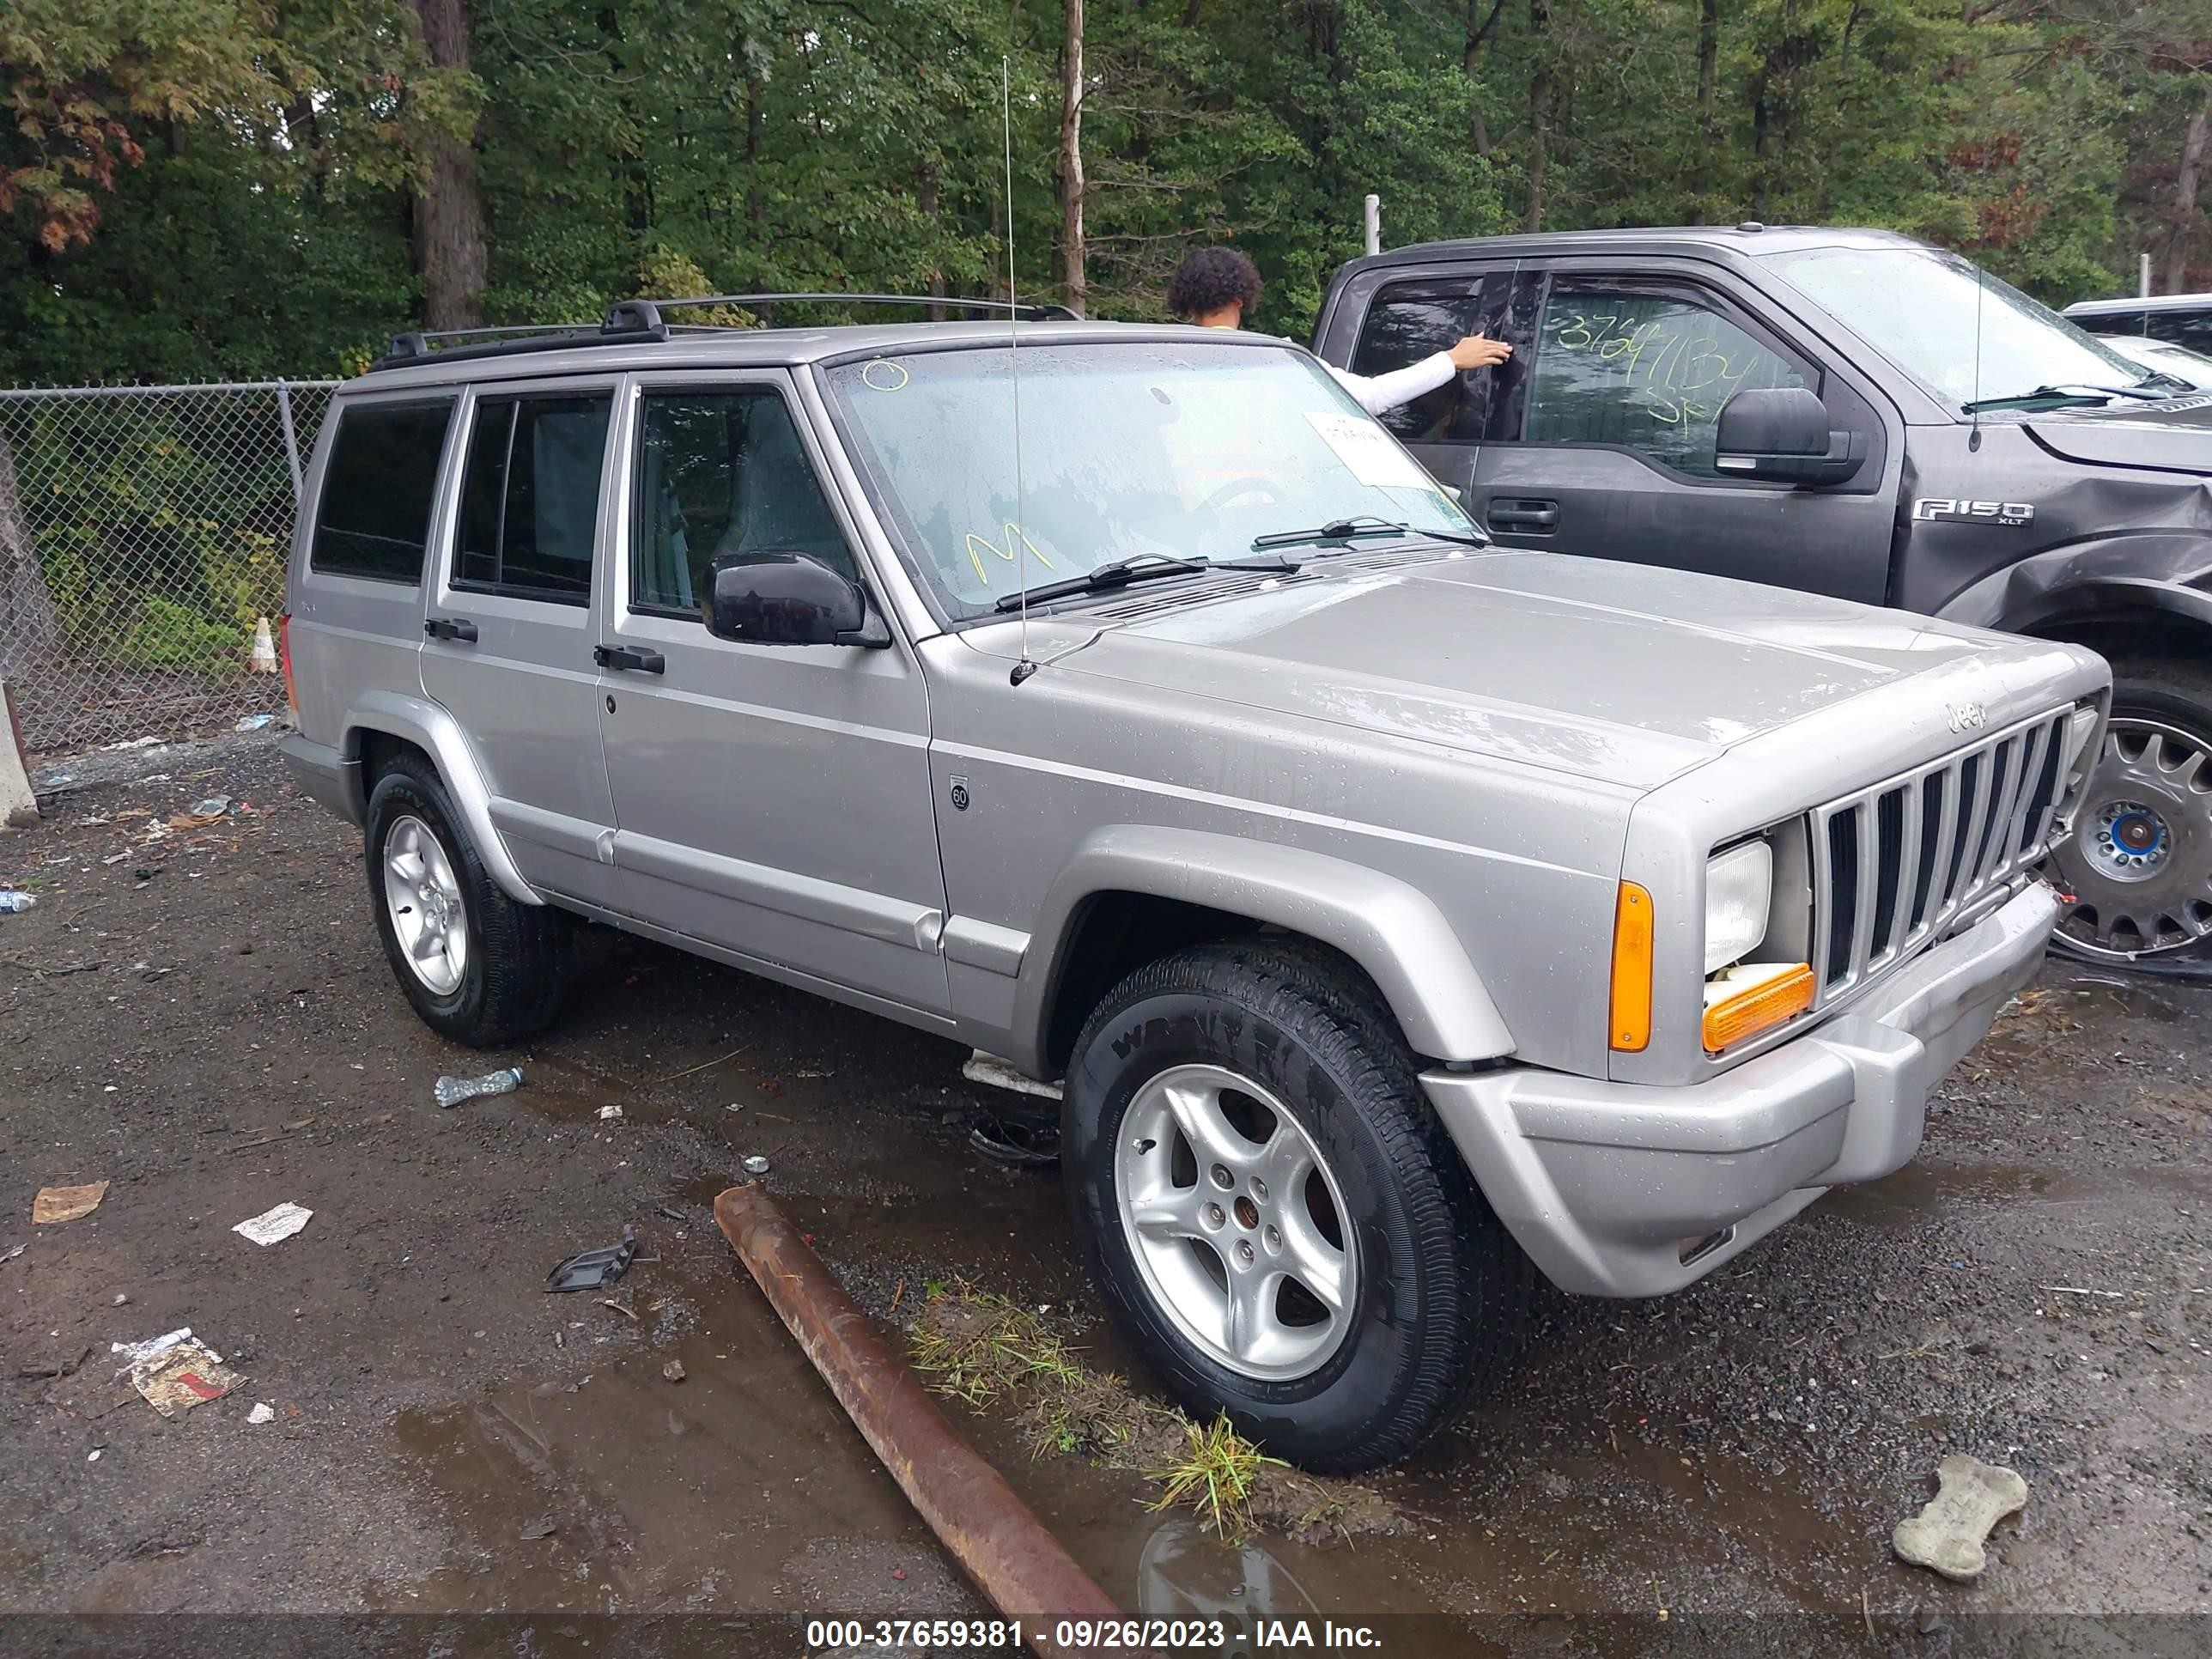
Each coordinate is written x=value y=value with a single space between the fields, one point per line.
x=1379 y=393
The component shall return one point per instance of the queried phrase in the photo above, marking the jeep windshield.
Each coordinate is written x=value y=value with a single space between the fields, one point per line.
x=1917 y=306
x=1132 y=455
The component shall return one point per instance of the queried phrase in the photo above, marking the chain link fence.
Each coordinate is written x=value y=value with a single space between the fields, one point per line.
x=143 y=533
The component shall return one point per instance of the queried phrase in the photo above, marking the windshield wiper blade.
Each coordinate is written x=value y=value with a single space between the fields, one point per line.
x=1107 y=577
x=1340 y=531
x=2072 y=392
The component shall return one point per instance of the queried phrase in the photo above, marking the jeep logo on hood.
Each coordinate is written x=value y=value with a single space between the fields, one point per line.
x=2011 y=512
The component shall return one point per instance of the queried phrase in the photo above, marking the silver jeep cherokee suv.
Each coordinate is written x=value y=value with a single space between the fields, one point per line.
x=1399 y=912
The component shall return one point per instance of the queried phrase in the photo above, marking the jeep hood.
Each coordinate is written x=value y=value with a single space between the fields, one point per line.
x=1628 y=673
x=2168 y=437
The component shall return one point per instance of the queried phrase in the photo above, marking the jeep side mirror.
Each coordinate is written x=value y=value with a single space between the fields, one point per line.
x=789 y=598
x=1781 y=435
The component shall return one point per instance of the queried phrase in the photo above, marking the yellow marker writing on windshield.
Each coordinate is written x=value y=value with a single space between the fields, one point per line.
x=979 y=545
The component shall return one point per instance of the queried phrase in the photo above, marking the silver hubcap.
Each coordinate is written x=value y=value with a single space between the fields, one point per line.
x=424 y=898
x=1235 y=1222
x=2140 y=863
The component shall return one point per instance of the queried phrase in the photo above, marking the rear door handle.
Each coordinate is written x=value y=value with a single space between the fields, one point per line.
x=624 y=656
x=451 y=627
x=1524 y=515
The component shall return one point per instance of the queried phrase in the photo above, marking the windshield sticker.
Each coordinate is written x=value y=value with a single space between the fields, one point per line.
x=878 y=376
x=1369 y=454
x=979 y=545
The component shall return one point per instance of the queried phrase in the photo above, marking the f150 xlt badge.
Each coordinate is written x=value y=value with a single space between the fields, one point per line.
x=2013 y=513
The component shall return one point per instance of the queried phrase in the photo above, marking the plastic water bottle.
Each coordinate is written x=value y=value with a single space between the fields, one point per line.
x=453 y=1091
x=13 y=902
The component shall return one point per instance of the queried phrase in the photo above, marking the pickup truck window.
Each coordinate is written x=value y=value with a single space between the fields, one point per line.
x=1409 y=321
x=721 y=472
x=1919 y=307
x=1127 y=451
x=374 y=519
x=1644 y=365
x=530 y=499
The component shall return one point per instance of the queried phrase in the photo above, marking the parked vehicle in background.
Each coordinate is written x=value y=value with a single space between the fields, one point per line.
x=1854 y=413
x=2180 y=319
x=2164 y=357
x=1398 y=910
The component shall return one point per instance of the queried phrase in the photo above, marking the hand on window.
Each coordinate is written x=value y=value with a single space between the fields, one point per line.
x=1477 y=351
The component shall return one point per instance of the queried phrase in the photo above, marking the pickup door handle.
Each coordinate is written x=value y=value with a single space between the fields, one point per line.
x=1524 y=515
x=451 y=627
x=624 y=656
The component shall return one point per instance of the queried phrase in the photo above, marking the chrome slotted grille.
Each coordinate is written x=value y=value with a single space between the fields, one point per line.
x=1894 y=865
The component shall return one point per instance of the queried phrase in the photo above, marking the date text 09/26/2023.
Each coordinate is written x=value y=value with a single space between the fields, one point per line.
x=1106 y=1636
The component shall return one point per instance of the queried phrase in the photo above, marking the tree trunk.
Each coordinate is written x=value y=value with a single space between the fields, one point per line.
x=1539 y=114
x=1074 y=278
x=1708 y=56
x=1478 y=130
x=925 y=194
x=449 y=253
x=2186 y=215
x=29 y=631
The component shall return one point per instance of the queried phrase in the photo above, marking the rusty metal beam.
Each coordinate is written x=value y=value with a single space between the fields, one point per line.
x=999 y=1543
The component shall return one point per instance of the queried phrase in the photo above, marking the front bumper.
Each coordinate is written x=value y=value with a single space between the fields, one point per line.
x=1603 y=1183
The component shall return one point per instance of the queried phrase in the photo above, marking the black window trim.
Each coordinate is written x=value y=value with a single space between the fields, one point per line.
x=1470 y=278
x=764 y=381
x=1716 y=298
x=412 y=399
x=512 y=401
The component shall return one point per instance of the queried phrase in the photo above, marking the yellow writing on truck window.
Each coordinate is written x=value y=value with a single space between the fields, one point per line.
x=979 y=545
x=1681 y=368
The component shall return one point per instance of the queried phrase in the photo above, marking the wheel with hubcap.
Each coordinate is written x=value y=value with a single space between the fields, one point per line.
x=476 y=964
x=1279 y=1224
x=2139 y=864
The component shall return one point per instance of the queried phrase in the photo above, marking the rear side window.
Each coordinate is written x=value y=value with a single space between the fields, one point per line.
x=2192 y=329
x=1409 y=321
x=374 y=518
x=530 y=498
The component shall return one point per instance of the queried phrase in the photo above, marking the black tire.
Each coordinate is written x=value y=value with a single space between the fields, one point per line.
x=2176 y=694
x=519 y=957
x=1442 y=1296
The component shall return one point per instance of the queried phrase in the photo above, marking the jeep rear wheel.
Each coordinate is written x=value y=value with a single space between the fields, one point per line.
x=1279 y=1224
x=2140 y=862
x=477 y=965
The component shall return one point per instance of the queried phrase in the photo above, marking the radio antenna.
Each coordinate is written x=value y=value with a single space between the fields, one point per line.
x=1024 y=668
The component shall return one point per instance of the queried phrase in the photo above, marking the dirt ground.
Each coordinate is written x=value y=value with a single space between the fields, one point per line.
x=206 y=1023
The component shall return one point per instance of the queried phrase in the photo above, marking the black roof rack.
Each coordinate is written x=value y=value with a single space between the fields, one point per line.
x=632 y=322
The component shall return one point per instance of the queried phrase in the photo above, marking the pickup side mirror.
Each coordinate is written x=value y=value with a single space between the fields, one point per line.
x=789 y=598
x=1781 y=435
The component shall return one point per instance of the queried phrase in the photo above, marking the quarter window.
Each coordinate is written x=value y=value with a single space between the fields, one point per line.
x=721 y=474
x=1645 y=368
x=373 y=517
x=530 y=499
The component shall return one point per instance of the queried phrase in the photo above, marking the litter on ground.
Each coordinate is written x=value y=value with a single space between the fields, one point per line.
x=15 y=901
x=55 y=1204
x=273 y=1226
x=262 y=1412
x=1947 y=1535
x=175 y=1371
x=589 y=1270
x=453 y=1091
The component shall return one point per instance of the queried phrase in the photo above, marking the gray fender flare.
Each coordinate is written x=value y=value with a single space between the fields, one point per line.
x=1392 y=930
x=2166 y=572
x=439 y=735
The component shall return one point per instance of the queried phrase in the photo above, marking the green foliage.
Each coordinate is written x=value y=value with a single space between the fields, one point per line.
x=223 y=187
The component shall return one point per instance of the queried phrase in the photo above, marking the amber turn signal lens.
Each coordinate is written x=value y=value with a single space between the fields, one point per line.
x=1631 y=969
x=1766 y=1005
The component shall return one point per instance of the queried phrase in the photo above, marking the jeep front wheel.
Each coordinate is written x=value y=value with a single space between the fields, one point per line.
x=1279 y=1224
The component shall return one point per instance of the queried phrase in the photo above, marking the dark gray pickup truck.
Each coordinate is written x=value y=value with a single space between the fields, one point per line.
x=1857 y=414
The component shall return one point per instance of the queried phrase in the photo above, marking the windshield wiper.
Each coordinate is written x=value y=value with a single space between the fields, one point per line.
x=1107 y=577
x=2071 y=392
x=1340 y=531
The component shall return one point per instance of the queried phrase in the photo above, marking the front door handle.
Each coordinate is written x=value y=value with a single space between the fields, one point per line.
x=1534 y=517
x=451 y=627
x=624 y=656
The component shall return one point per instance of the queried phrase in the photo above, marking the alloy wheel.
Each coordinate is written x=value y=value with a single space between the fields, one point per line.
x=2140 y=862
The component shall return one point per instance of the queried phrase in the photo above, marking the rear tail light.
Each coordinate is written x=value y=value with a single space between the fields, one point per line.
x=284 y=657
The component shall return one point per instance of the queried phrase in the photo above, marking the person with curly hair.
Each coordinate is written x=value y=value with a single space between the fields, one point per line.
x=1217 y=287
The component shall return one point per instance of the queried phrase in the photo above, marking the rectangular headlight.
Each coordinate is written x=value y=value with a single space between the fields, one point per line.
x=1739 y=890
